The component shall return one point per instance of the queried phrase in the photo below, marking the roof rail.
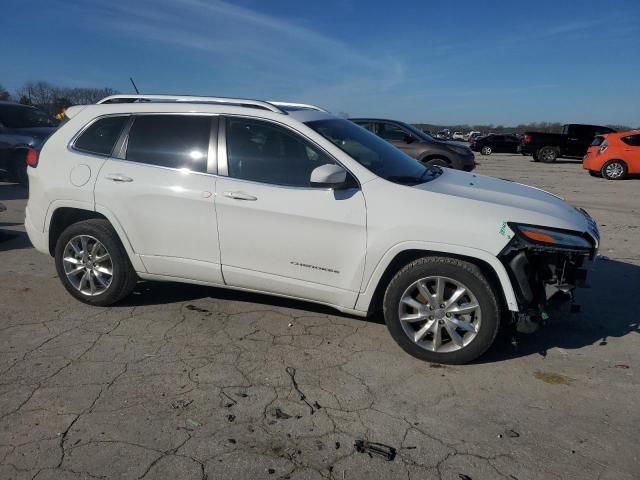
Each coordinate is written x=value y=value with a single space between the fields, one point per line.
x=186 y=98
x=302 y=106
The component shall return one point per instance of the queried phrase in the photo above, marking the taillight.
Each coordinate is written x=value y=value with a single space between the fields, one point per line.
x=32 y=157
x=527 y=139
x=603 y=146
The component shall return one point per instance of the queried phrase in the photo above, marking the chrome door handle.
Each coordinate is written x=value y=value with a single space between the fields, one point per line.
x=118 y=177
x=240 y=196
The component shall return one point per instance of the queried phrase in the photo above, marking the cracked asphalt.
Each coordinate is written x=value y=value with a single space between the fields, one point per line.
x=189 y=382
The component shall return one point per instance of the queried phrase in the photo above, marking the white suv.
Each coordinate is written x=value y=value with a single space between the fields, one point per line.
x=290 y=200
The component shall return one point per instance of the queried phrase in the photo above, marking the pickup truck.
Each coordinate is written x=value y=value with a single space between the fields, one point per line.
x=572 y=142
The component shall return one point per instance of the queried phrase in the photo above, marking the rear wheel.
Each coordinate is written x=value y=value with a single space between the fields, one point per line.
x=548 y=154
x=534 y=155
x=442 y=310
x=614 y=170
x=92 y=263
x=486 y=150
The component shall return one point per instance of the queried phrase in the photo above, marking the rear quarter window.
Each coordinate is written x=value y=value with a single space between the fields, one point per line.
x=101 y=136
x=632 y=140
x=597 y=141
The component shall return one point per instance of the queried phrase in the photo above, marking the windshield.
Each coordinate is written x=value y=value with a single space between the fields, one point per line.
x=16 y=116
x=373 y=153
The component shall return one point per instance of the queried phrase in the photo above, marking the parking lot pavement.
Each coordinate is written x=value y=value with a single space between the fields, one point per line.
x=193 y=382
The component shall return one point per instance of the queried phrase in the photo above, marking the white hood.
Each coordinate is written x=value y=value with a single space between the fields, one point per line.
x=522 y=203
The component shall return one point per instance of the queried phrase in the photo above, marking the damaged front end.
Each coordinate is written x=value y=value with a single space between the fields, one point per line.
x=545 y=266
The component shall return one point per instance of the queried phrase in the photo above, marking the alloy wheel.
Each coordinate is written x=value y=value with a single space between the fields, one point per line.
x=87 y=265
x=439 y=314
x=614 y=170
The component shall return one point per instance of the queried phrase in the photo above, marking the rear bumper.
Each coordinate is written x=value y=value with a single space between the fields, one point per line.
x=38 y=238
x=590 y=162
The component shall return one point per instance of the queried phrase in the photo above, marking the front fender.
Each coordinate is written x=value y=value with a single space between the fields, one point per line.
x=369 y=285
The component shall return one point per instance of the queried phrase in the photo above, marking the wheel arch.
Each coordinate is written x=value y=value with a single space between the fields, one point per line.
x=435 y=156
x=65 y=215
x=396 y=258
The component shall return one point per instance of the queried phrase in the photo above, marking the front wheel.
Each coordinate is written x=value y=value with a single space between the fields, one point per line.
x=92 y=263
x=486 y=150
x=442 y=310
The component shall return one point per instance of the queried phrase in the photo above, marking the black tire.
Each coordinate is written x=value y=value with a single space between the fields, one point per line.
x=614 y=170
x=547 y=154
x=534 y=156
x=464 y=272
x=486 y=150
x=439 y=162
x=124 y=277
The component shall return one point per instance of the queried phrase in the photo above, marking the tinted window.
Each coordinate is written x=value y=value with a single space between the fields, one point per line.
x=373 y=153
x=263 y=152
x=597 y=141
x=18 y=116
x=175 y=141
x=390 y=132
x=633 y=140
x=101 y=136
x=368 y=125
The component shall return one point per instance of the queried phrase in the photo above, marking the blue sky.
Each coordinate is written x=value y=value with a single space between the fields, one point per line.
x=434 y=61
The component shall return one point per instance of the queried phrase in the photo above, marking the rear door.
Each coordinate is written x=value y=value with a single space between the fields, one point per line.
x=159 y=188
x=496 y=142
x=277 y=233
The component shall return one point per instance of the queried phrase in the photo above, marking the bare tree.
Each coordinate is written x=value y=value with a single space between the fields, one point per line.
x=4 y=93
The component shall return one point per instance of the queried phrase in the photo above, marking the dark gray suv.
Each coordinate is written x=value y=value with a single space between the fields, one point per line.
x=21 y=127
x=420 y=145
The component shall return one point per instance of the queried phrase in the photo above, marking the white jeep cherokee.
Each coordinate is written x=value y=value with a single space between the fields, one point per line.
x=289 y=200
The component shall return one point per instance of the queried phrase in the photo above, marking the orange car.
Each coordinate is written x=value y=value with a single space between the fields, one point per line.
x=614 y=155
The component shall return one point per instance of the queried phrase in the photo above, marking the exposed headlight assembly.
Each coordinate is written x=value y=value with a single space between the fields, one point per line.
x=549 y=237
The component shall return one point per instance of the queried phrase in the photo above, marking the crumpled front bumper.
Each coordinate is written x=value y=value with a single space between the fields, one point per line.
x=545 y=276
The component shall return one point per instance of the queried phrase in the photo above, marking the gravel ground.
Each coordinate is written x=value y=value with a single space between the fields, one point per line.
x=193 y=382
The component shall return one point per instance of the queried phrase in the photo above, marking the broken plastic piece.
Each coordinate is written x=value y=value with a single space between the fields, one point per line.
x=372 y=448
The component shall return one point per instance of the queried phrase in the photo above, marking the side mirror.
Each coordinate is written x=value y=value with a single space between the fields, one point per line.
x=408 y=138
x=328 y=176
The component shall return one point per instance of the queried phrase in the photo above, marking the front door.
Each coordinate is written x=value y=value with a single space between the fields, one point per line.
x=163 y=197
x=399 y=138
x=278 y=234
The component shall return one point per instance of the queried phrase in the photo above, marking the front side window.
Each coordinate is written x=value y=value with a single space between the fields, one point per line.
x=391 y=132
x=174 y=141
x=632 y=140
x=101 y=136
x=373 y=153
x=262 y=152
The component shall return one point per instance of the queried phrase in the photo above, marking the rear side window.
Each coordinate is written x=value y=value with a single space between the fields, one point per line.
x=597 y=141
x=174 y=141
x=101 y=136
x=632 y=140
